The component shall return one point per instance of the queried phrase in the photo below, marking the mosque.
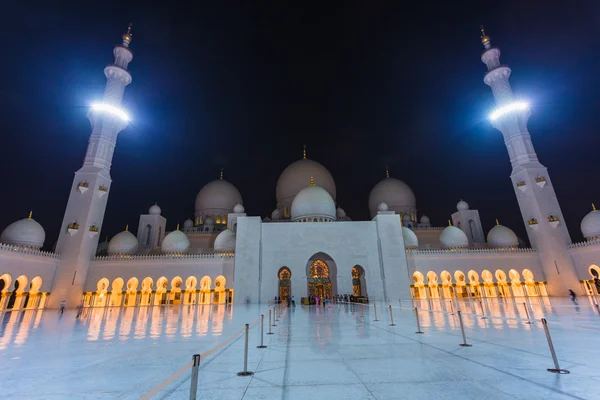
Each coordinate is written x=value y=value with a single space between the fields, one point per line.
x=308 y=246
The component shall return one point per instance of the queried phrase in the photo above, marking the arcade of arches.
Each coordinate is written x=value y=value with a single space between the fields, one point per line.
x=459 y=284
x=26 y=293
x=163 y=292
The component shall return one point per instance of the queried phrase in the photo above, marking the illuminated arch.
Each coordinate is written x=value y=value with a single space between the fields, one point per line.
x=432 y=282
x=35 y=285
x=359 y=287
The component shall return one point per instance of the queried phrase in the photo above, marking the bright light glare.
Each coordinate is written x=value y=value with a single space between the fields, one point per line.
x=111 y=110
x=520 y=105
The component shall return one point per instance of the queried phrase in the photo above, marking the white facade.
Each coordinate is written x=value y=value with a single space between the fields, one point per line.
x=308 y=246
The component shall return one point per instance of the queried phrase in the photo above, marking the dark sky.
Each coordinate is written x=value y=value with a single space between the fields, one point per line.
x=242 y=85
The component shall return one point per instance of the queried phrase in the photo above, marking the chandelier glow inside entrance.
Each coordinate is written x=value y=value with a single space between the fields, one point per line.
x=516 y=106
x=111 y=110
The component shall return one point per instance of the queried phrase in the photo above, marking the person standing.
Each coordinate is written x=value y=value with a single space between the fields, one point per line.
x=293 y=301
x=63 y=305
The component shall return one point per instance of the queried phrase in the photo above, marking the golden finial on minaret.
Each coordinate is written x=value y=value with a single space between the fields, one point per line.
x=221 y=176
x=485 y=39
x=177 y=227
x=387 y=172
x=304 y=152
x=593 y=208
x=497 y=223
x=127 y=228
x=312 y=181
x=30 y=215
x=449 y=223
x=127 y=36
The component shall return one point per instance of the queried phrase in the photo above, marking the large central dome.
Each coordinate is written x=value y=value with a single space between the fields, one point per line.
x=293 y=179
x=396 y=194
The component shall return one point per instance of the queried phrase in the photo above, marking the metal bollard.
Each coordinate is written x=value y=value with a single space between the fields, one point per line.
x=400 y=303
x=375 y=308
x=391 y=317
x=277 y=312
x=418 y=323
x=527 y=313
x=194 y=377
x=462 y=330
x=269 y=333
x=451 y=308
x=245 y=372
x=274 y=316
x=482 y=310
x=262 y=327
x=598 y=308
x=556 y=368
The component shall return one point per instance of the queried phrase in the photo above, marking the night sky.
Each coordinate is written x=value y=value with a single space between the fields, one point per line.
x=244 y=85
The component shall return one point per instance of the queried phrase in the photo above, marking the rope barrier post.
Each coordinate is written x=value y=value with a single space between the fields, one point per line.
x=598 y=309
x=274 y=316
x=556 y=369
x=462 y=330
x=391 y=317
x=482 y=310
x=277 y=312
x=451 y=308
x=527 y=313
x=245 y=372
x=194 y=377
x=400 y=303
x=375 y=308
x=262 y=329
x=418 y=323
x=269 y=333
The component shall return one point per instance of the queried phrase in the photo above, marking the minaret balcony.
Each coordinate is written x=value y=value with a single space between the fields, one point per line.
x=102 y=190
x=553 y=220
x=83 y=187
x=522 y=186
x=72 y=228
x=533 y=223
x=540 y=181
x=94 y=230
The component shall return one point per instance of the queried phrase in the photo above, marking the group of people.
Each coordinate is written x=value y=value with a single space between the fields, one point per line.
x=291 y=301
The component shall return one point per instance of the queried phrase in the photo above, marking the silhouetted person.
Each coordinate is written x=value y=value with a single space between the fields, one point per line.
x=63 y=305
x=573 y=296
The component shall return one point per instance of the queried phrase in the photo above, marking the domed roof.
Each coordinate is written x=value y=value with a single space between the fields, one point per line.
x=276 y=214
x=406 y=219
x=410 y=239
x=313 y=201
x=590 y=224
x=452 y=237
x=382 y=207
x=502 y=236
x=188 y=224
x=239 y=209
x=462 y=205
x=217 y=198
x=425 y=220
x=24 y=232
x=102 y=247
x=225 y=241
x=396 y=194
x=208 y=221
x=293 y=179
x=175 y=242
x=123 y=243
x=340 y=213
x=154 y=210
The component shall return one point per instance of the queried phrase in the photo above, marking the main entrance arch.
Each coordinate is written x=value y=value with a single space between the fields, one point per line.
x=285 y=283
x=319 y=283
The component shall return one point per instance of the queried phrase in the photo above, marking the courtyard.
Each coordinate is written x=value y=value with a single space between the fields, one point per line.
x=331 y=352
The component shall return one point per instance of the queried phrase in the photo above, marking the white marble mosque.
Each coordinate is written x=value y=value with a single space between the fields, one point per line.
x=308 y=246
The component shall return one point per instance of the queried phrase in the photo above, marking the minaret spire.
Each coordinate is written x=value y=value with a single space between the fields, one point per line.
x=87 y=208
x=387 y=172
x=530 y=179
x=221 y=176
x=304 y=152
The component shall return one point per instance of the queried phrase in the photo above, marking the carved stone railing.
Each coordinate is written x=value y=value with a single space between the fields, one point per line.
x=467 y=251
x=427 y=228
x=148 y=257
x=30 y=251
x=583 y=245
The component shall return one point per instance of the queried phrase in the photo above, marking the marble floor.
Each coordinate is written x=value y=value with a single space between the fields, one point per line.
x=333 y=352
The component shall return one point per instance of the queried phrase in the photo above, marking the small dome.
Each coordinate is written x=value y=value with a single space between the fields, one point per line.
x=406 y=220
x=396 y=194
x=208 y=221
x=154 y=210
x=313 y=202
x=294 y=178
x=175 y=242
x=188 y=224
x=123 y=243
x=462 y=205
x=239 y=209
x=217 y=198
x=24 y=232
x=225 y=241
x=382 y=207
x=502 y=236
x=340 y=213
x=425 y=220
x=102 y=247
x=276 y=214
x=453 y=237
x=590 y=225
x=410 y=239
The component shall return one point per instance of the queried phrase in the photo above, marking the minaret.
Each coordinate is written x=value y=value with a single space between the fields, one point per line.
x=89 y=192
x=539 y=206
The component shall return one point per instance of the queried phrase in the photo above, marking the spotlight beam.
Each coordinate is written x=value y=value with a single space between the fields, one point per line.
x=103 y=107
x=516 y=106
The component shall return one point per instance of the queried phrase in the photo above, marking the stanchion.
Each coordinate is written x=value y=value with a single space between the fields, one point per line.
x=277 y=310
x=462 y=330
x=245 y=372
x=262 y=327
x=430 y=304
x=274 y=316
x=418 y=323
x=598 y=308
x=527 y=313
x=194 y=377
x=375 y=308
x=391 y=317
x=400 y=303
x=556 y=369
x=482 y=310
x=451 y=307
x=269 y=333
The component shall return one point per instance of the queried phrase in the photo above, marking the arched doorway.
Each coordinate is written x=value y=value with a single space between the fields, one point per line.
x=359 y=286
x=319 y=283
x=285 y=283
